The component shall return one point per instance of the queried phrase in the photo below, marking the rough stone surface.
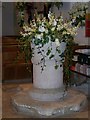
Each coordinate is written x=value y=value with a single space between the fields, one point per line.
x=47 y=94
x=74 y=101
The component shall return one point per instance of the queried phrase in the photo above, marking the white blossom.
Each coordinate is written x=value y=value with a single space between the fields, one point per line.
x=46 y=31
x=64 y=32
x=21 y=33
x=41 y=29
x=49 y=14
x=57 y=42
x=43 y=24
x=38 y=36
x=53 y=29
x=25 y=34
x=29 y=33
x=59 y=27
x=54 y=23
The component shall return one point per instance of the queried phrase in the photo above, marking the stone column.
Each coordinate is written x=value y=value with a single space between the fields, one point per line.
x=49 y=78
x=47 y=84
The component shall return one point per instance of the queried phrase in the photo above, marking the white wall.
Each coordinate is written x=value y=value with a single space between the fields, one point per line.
x=8 y=27
x=80 y=37
x=64 y=9
x=89 y=12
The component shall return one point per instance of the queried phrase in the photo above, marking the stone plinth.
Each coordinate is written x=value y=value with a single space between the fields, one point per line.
x=25 y=104
x=47 y=94
x=49 y=78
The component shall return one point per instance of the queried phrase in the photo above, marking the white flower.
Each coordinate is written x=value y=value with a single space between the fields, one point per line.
x=65 y=25
x=39 y=36
x=49 y=14
x=64 y=32
x=53 y=29
x=58 y=27
x=21 y=33
x=54 y=23
x=57 y=42
x=68 y=33
x=43 y=24
x=34 y=24
x=25 y=34
x=46 y=31
x=41 y=29
x=26 y=28
x=29 y=33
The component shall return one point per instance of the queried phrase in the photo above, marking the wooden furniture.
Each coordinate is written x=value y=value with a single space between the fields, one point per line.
x=83 y=60
x=12 y=69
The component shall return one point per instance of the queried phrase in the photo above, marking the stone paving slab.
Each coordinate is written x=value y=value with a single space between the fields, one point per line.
x=9 y=111
x=74 y=101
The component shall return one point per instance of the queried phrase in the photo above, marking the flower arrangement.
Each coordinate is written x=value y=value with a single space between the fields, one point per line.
x=43 y=31
x=78 y=13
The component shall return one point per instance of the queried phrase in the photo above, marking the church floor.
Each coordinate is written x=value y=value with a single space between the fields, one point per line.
x=8 y=90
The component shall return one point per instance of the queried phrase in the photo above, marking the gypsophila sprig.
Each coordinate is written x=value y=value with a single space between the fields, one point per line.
x=43 y=31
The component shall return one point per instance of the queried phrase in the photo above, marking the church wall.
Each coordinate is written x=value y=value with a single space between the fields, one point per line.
x=8 y=23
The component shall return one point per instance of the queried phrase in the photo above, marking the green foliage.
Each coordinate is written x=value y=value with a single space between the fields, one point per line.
x=48 y=52
x=78 y=12
x=68 y=61
x=56 y=66
x=21 y=7
x=51 y=56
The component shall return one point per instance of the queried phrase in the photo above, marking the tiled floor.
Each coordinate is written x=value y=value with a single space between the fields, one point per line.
x=8 y=111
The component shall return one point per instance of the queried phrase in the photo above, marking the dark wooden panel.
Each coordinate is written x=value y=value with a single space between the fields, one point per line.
x=19 y=71
x=12 y=69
